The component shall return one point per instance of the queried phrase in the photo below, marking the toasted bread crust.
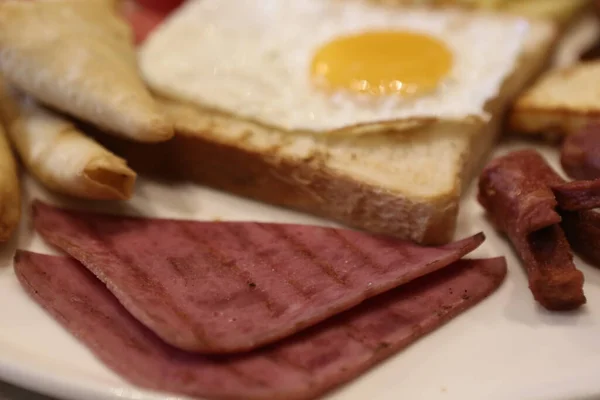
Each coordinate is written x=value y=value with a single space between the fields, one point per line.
x=550 y=122
x=561 y=101
x=308 y=185
x=297 y=184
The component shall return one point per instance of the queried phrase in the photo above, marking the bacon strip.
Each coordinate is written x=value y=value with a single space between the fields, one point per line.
x=581 y=225
x=301 y=367
x=577 y=195
x=234 y=286
x=515 y=190
x=580 y=155
x=583 y=231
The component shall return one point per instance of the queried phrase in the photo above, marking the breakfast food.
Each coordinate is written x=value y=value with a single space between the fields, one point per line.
x=580 y=154
x=577 y=202
x=559 y=11
x=301 y=83
x=59 y=155
x=563 y=102
x=301 y=367
x=528 y=181
x=10 y=198
x=581 y=223
x=215 y=287
x=392 y=164
x=374 y=116
x=577 y=195
x=78 y=57
x=583 y=231
x=515 y=190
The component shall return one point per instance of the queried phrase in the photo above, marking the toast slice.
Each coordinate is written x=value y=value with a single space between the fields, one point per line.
x=561 y=103
x=406 y=184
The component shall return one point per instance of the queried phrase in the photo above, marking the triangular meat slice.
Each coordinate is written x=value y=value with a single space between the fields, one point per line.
x=301 y=367
x=78 y=57
x=216 y=287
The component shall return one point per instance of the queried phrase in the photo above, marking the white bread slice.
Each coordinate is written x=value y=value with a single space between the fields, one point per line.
x=561 y=103
x=78 y=57
x=406 y=184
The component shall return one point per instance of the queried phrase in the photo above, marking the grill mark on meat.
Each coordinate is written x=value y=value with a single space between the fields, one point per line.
x=323 y=357
x=242 y=295
x=404 y=252
x=243 y=275
x=369 y=262
x=355 y=335
x=298 y=247
x=280 y=360
x=242 y=236
x=238 y=373
x=85 y=308
x=81 y=305
x=381 y=325
x=142 y=276
x=177 y=265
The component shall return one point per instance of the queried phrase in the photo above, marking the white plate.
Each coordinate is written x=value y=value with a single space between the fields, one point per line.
x=505 y=348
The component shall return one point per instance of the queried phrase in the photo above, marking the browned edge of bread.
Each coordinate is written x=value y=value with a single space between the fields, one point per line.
x=298 y=184
x=551 y=124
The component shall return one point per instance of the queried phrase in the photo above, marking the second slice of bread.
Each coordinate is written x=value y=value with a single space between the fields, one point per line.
x=561 y=103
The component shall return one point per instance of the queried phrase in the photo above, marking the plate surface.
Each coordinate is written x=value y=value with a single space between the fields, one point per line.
x=505 y=348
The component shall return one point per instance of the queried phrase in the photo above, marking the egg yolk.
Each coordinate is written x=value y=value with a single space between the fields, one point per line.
x=382 y=63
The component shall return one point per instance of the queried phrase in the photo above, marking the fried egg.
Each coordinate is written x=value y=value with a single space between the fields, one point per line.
x=330 y=65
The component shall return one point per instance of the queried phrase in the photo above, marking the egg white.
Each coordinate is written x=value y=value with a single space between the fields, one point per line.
x=251 y=59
